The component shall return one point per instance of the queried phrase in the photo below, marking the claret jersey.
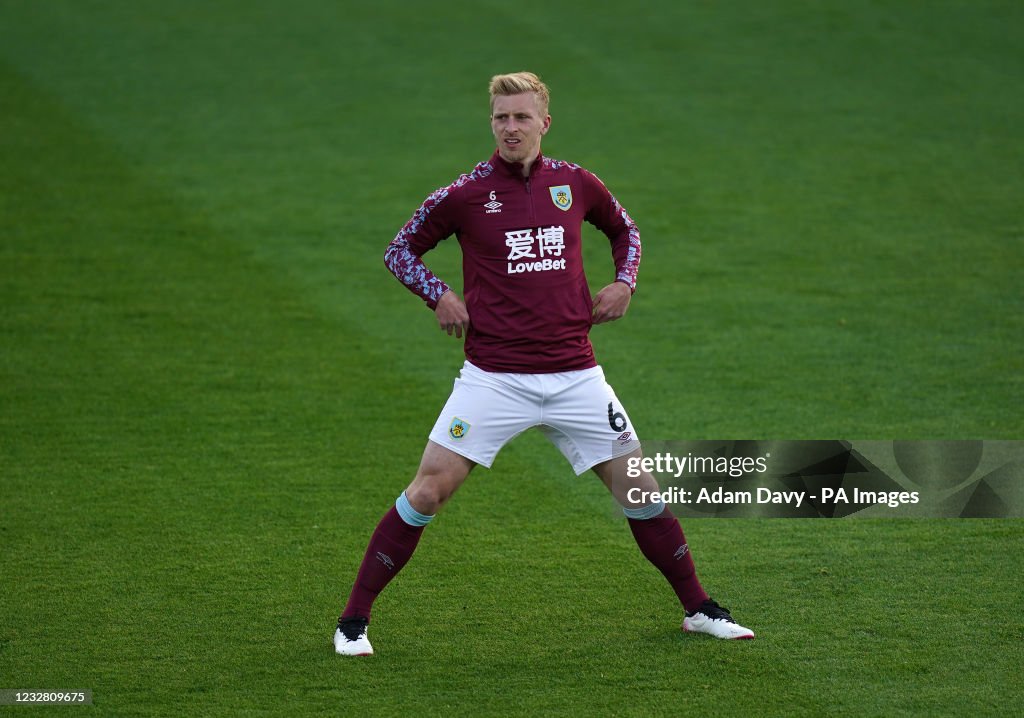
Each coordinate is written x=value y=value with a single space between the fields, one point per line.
x=524 y=285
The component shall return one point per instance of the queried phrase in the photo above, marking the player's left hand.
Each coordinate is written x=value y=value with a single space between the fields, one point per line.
x=611 y=302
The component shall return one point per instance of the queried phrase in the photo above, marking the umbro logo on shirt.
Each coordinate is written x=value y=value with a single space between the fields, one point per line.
x=494 y=206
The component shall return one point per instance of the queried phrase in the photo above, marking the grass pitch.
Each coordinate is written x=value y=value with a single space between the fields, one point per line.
x=211 y=389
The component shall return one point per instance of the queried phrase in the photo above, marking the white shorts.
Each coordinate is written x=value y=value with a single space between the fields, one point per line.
x=576 y=410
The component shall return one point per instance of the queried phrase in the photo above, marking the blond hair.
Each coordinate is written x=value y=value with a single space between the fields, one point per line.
x=516 y=83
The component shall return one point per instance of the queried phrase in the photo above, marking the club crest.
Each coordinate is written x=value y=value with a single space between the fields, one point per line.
x=458 y=428
x=561 y=196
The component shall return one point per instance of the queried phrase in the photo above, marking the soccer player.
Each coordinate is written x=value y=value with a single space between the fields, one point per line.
x=529 y=362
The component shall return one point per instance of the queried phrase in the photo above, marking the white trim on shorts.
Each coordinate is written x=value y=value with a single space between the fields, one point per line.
x=486 y=410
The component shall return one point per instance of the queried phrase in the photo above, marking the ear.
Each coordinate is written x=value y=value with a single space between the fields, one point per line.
x=547 y=125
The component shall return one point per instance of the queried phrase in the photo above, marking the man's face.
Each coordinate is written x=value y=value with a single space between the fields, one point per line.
x=518 y=125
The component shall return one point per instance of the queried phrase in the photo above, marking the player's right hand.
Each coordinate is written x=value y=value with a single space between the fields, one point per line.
x=452 y=314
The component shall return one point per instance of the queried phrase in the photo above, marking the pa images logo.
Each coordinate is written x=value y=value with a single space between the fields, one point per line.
x=458 y=428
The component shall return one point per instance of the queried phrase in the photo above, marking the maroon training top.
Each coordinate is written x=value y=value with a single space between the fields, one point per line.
x=525 y=290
